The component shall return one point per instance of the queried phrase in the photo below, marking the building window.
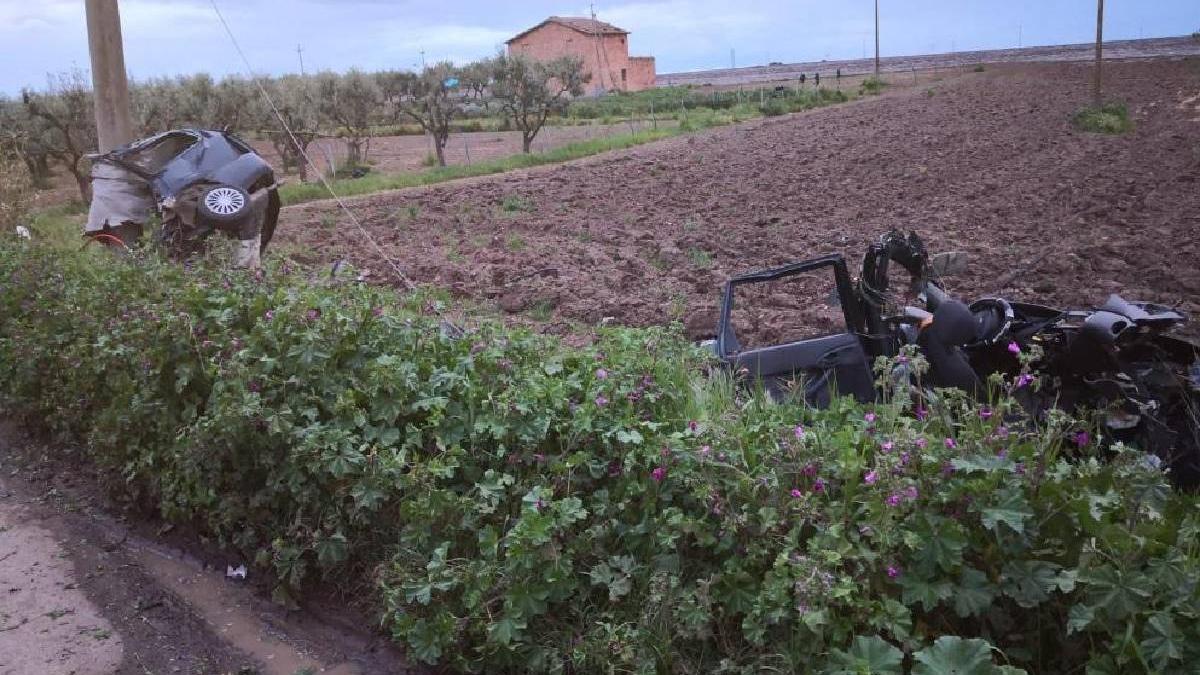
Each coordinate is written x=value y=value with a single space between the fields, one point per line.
x=622 y=76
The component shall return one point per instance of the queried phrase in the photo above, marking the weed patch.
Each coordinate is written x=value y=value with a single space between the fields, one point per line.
x=1110 y=118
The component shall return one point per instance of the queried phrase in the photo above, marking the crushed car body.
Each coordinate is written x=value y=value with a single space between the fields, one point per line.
x=197 y=181
x=1119 y=358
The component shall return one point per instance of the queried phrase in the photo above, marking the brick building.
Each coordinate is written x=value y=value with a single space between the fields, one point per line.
x=603 y=47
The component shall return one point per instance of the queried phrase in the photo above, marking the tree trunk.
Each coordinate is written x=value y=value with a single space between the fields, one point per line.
x=526 y=143
x=83 y=180
x=353 y=152
x=439 y=146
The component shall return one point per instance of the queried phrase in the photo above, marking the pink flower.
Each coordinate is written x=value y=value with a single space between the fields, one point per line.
x=658 y=474
x=601 y=401
x=1024 y=380
x=887 y=446
x=893 y=500
x=893 y=571
x=819 y=485
x=601 y=374
x=921 y=413
x=871 y=477
x=692 y=426
x=268 y=315
x=950 y=444
x=947 y=469
x=910 y=492
x=1001 y=432
x=377 y=312
x=312 y=314
x=705 y=451
x=1014 y=348
x=1019 y=469
x=870 y=418
x=905 y=458
x=809 y=470
x=1002 y=453
x=797 y=493
x=921 y=443
x=799 y=432
x=1082 y=438
x=985 y=413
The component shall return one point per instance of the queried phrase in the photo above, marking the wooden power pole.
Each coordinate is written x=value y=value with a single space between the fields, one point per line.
x=877 y=39
x=1097 y=92
x=114 y=125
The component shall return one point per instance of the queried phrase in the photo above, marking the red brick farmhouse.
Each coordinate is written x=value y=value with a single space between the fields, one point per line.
x=603 y=47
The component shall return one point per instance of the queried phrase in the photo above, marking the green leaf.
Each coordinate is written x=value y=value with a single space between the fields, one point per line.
x=1165 y=643
x=505 y=630
x=928 y=593
x=1079 y=618
x=974 y=593
x=1030 y=582
x=332 y=549
x=629 y=437
x=952 y=655
x=1012 y=510
x=867 y=656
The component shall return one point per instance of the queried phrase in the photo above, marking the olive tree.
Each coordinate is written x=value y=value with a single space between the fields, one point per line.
x=296 y=100
x=350 y=101
x=528 y=91
x=433 y=99
x=62 y=122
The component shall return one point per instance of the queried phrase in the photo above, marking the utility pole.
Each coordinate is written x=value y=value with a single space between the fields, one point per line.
x=732 y=58
x=877 y=39
x=114 y=124
x=422 y=59
x=300 y=53
x=1096 y=93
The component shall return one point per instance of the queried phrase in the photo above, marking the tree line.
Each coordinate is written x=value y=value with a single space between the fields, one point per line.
x=56 y=126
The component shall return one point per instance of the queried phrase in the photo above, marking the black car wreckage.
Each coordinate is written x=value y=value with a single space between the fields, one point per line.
x=197 y=181
x=1119 y=358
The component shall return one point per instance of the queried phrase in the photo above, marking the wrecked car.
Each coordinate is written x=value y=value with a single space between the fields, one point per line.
x=1119 y=358
x=197 y=181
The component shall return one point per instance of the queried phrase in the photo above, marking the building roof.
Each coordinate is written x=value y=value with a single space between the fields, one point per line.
x=582 y=24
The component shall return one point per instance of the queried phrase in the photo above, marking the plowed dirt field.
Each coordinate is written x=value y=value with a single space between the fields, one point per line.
x=984 y=163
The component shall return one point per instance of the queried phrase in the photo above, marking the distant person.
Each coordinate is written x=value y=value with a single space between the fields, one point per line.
x=817 y=79
x=839 y=73
x=803 y=78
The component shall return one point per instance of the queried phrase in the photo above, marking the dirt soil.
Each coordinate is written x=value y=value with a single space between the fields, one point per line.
x=87 y=588
x=984 y=163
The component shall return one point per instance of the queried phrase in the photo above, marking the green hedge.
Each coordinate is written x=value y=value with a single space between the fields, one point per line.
x=511 y=504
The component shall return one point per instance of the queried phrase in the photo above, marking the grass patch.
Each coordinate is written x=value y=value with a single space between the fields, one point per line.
x=979 y=68
x=516 y=203
x=873 y=86
x=1110 y=118
x=515 y=242
x=60 y=226
x=700 y=258
x=298 y=193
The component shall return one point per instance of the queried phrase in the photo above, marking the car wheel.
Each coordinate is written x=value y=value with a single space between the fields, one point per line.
x=224 y=204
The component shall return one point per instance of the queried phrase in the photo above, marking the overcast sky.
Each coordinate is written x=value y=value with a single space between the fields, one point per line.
x=168 y=37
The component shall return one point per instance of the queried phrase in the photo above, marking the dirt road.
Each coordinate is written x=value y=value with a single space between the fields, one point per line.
x=85 y=590
x=985 y=163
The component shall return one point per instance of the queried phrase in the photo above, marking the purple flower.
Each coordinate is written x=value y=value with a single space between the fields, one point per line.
x=947 y=469
x=269 y=315
x=614 y=468
x=1024 y=380
x=254 y=386
x=312 y=314
x=819 y=485
x=797 y=493
x=658 y=474
x=1001 y=432
x=1082 y=438
x=921 y=443
x=692 y=426
x=799 y=431
x=869 y=417
x=985 y=413
x=1019 y=469
x=665 y=452
x=902 y=359
x=1002 y=453
x=893 y=571
x=921 y=413
x=721 y=456
x=705 y=451
x=601 y=401
x=871 y=477
x=601 y=374
x=887 y=446
x=377 y=312
x=893 y=500
x=1014 y=348
x=950 y=444
x=809 y=470
x=905 y=458
x=910 y=492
